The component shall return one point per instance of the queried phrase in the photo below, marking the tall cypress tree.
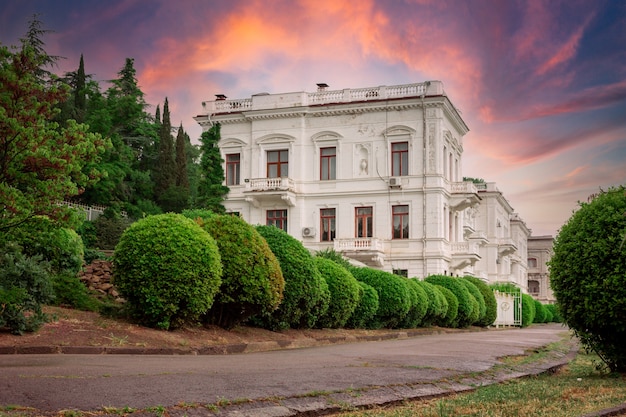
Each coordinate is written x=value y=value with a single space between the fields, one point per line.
x=211 y=191
x=80 y=99
x=157 y=115
x=181 y=160
x=165 y=171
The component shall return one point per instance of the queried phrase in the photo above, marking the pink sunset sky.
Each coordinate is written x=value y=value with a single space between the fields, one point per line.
x=541 y=84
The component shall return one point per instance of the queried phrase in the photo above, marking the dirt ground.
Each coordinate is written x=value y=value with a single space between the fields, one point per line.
x=70 y=327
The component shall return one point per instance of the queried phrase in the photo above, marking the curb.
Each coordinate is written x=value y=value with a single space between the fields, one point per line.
x=338 y=402
x=223 y=349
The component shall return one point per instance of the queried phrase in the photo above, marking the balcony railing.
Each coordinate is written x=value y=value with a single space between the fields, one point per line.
x=270 y=184
x=359 y=244
x=465 y=187
x=275 y=101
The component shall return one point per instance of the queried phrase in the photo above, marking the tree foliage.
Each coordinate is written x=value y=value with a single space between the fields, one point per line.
x=24 y=287
x=41 y=163
x=588 y=275
x=211 y=191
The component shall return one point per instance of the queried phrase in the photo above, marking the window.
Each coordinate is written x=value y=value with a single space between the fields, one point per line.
x=364 y=221
x=401 y=272
x=277 y=218
x=233 y=167
x=328 y=163
x=400 y=222
x=327 y=227
x=532 y=262
x=399 y=159
x=533 y=287
x=277 y=164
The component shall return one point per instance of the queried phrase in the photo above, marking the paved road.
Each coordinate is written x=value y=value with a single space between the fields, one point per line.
x=90 y=382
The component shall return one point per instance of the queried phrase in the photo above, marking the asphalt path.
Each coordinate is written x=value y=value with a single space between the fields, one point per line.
x=89 y=382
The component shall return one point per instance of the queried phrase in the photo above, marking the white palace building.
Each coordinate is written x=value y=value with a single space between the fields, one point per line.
x=374 y=173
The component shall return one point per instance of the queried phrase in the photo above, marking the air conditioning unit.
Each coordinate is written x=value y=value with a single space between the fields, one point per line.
x=395 y=182
x=308 y=231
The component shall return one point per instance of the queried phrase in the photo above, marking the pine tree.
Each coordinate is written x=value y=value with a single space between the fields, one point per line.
x=34 y=41
x=181 y=160
x=211 y=191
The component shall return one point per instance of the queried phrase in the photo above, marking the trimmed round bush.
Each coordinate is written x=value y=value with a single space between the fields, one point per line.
x=334 y=256
x=528 y=310
x=169 y=270
x=306 y=295
x=549 y=314
x=588 y=275
x=437 y=303
x=252 y=281
x=449 y=320
x=478 y=296
x=24 y=287
x=344 y=293
x=491 y=305
x=419 y=305
x=540 y=312
x=467 y=313
x=393 y=296
x=556 y=315
x=366 y=307
x=62 y=247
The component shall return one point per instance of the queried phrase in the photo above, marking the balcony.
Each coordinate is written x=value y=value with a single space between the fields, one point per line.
x=464 y=254
x=270 y=190
x=464 y=195
x=506 y=247
x=369 y=250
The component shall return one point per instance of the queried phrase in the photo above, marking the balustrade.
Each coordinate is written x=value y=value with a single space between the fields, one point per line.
x=322 y=97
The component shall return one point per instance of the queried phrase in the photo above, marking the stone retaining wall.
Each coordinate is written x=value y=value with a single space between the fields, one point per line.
x=97 y=277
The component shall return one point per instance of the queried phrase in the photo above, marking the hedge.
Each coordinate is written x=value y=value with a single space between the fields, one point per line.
x=491 y=305
x=344 y=293
x=306 y=294
x=252 y=281
x=467 y=310
x=393 y=296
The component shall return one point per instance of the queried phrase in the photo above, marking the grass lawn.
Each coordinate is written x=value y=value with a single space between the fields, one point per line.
x=573 y=391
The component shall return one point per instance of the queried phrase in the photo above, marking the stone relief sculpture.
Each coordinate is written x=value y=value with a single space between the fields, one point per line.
x=431 y=148
x=362 y=159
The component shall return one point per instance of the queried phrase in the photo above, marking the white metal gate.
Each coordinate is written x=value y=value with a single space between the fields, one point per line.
x=509 y=308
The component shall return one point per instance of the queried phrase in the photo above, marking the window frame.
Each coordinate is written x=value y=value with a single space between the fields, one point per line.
x=404 y=222
x=329 y=220
x=365 y=220
x=236 y=165
x=279 y=221
x=400 y=167
x=279 y=164
x=329 y=172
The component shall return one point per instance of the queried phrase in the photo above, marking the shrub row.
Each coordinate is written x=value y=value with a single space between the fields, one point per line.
x=198 y=266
